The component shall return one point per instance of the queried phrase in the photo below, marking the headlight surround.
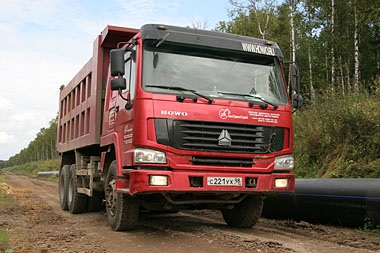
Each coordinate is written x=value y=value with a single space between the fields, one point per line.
x=142 y=155
x=284 y=163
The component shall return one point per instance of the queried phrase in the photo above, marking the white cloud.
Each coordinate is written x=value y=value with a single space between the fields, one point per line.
x=6 y=138
x=22 y=117
x=151 y=11
x=5 y=104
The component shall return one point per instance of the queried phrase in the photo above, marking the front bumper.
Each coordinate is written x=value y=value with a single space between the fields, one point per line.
x=182 y=181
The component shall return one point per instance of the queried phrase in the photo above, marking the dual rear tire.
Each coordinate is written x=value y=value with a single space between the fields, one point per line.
x=76 y=201
x=70 y=199
x=63 y=187
x=122 y=210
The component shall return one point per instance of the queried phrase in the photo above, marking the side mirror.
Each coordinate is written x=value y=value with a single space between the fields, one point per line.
x=155 y=60
x=118 y=84
x=117 y=62
x=297 y=101
x=295 y=78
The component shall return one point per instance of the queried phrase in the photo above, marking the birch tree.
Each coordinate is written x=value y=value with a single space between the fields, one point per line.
x=333 y=43
x=356 y=47
x=255 y=6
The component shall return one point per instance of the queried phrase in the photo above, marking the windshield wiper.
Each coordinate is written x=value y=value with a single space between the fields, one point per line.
x=210 y=100
x=161 y=40
x=249 y=95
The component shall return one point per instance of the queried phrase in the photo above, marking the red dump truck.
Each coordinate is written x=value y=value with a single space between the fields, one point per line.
x=165 y=118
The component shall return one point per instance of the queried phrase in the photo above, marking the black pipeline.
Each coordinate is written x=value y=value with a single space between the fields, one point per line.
x=348 y=202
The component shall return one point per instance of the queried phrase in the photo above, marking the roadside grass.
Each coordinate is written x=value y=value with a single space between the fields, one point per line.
x=5 y=198
x=32 y=168
x=5 y=201
x=4 y=239
x=369 y=227
x=338 y=136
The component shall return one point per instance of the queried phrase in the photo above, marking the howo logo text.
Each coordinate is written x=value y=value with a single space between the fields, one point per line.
x=174 y=113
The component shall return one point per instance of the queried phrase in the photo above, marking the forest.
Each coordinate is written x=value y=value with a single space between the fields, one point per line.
x=336 y=44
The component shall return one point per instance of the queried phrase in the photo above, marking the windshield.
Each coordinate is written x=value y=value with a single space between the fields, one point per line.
x=216 y=73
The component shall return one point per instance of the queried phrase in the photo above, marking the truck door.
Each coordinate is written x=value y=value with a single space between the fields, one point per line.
x=123 y=107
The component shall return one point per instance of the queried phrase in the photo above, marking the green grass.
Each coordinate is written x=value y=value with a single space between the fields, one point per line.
x=4 y=238
x=31 y=169
x=5 y=201
x=338 y=137
x=369 y=227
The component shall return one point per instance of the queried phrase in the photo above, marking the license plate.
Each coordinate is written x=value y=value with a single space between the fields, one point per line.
x=224 y=181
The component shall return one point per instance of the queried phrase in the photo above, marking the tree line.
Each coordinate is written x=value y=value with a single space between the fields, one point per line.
x=43 y=147
x=336 y=43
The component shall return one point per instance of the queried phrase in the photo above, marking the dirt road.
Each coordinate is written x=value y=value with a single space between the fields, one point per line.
x=37 y=224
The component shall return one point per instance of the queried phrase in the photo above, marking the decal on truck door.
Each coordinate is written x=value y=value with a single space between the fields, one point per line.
x=265 y=117
x=226 y=114
x=128 y=135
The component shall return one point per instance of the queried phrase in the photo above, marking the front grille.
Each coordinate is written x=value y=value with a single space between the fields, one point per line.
x=222 y=161
x=219 y=136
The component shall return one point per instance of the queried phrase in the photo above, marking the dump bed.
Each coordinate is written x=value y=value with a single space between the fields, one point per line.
x=82 y=99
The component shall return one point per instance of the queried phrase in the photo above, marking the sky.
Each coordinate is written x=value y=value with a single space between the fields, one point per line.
x=44 y=43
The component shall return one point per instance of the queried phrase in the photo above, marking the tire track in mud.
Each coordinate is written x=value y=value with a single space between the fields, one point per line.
x=37 y=224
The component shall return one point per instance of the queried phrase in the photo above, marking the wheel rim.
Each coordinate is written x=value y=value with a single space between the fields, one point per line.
x=111 y=197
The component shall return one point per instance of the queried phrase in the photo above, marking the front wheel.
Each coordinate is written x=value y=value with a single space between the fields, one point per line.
x=244 y=214
x=122 y=209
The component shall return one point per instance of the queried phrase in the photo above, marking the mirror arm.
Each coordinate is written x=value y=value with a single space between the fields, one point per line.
x=121 y=95
x=128 y=105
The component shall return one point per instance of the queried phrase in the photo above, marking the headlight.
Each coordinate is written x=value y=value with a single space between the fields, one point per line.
x=149 y=156
x=156 y=180
x=281 y=182
x=284 y=162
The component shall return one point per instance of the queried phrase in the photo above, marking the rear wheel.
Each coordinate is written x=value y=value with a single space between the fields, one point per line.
x=63 y=186
x=244 y=214
x=122 y=210
x=76 y=201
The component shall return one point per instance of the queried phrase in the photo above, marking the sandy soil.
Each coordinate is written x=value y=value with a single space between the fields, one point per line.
x=37 y=224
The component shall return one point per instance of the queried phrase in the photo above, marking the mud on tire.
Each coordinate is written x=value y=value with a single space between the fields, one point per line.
x=95 y=203
x=122 y=210
x=63 y=187
x=77 y=202
x=244 y=214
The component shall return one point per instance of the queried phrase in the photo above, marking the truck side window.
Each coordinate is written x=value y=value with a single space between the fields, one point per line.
x=130 y=74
